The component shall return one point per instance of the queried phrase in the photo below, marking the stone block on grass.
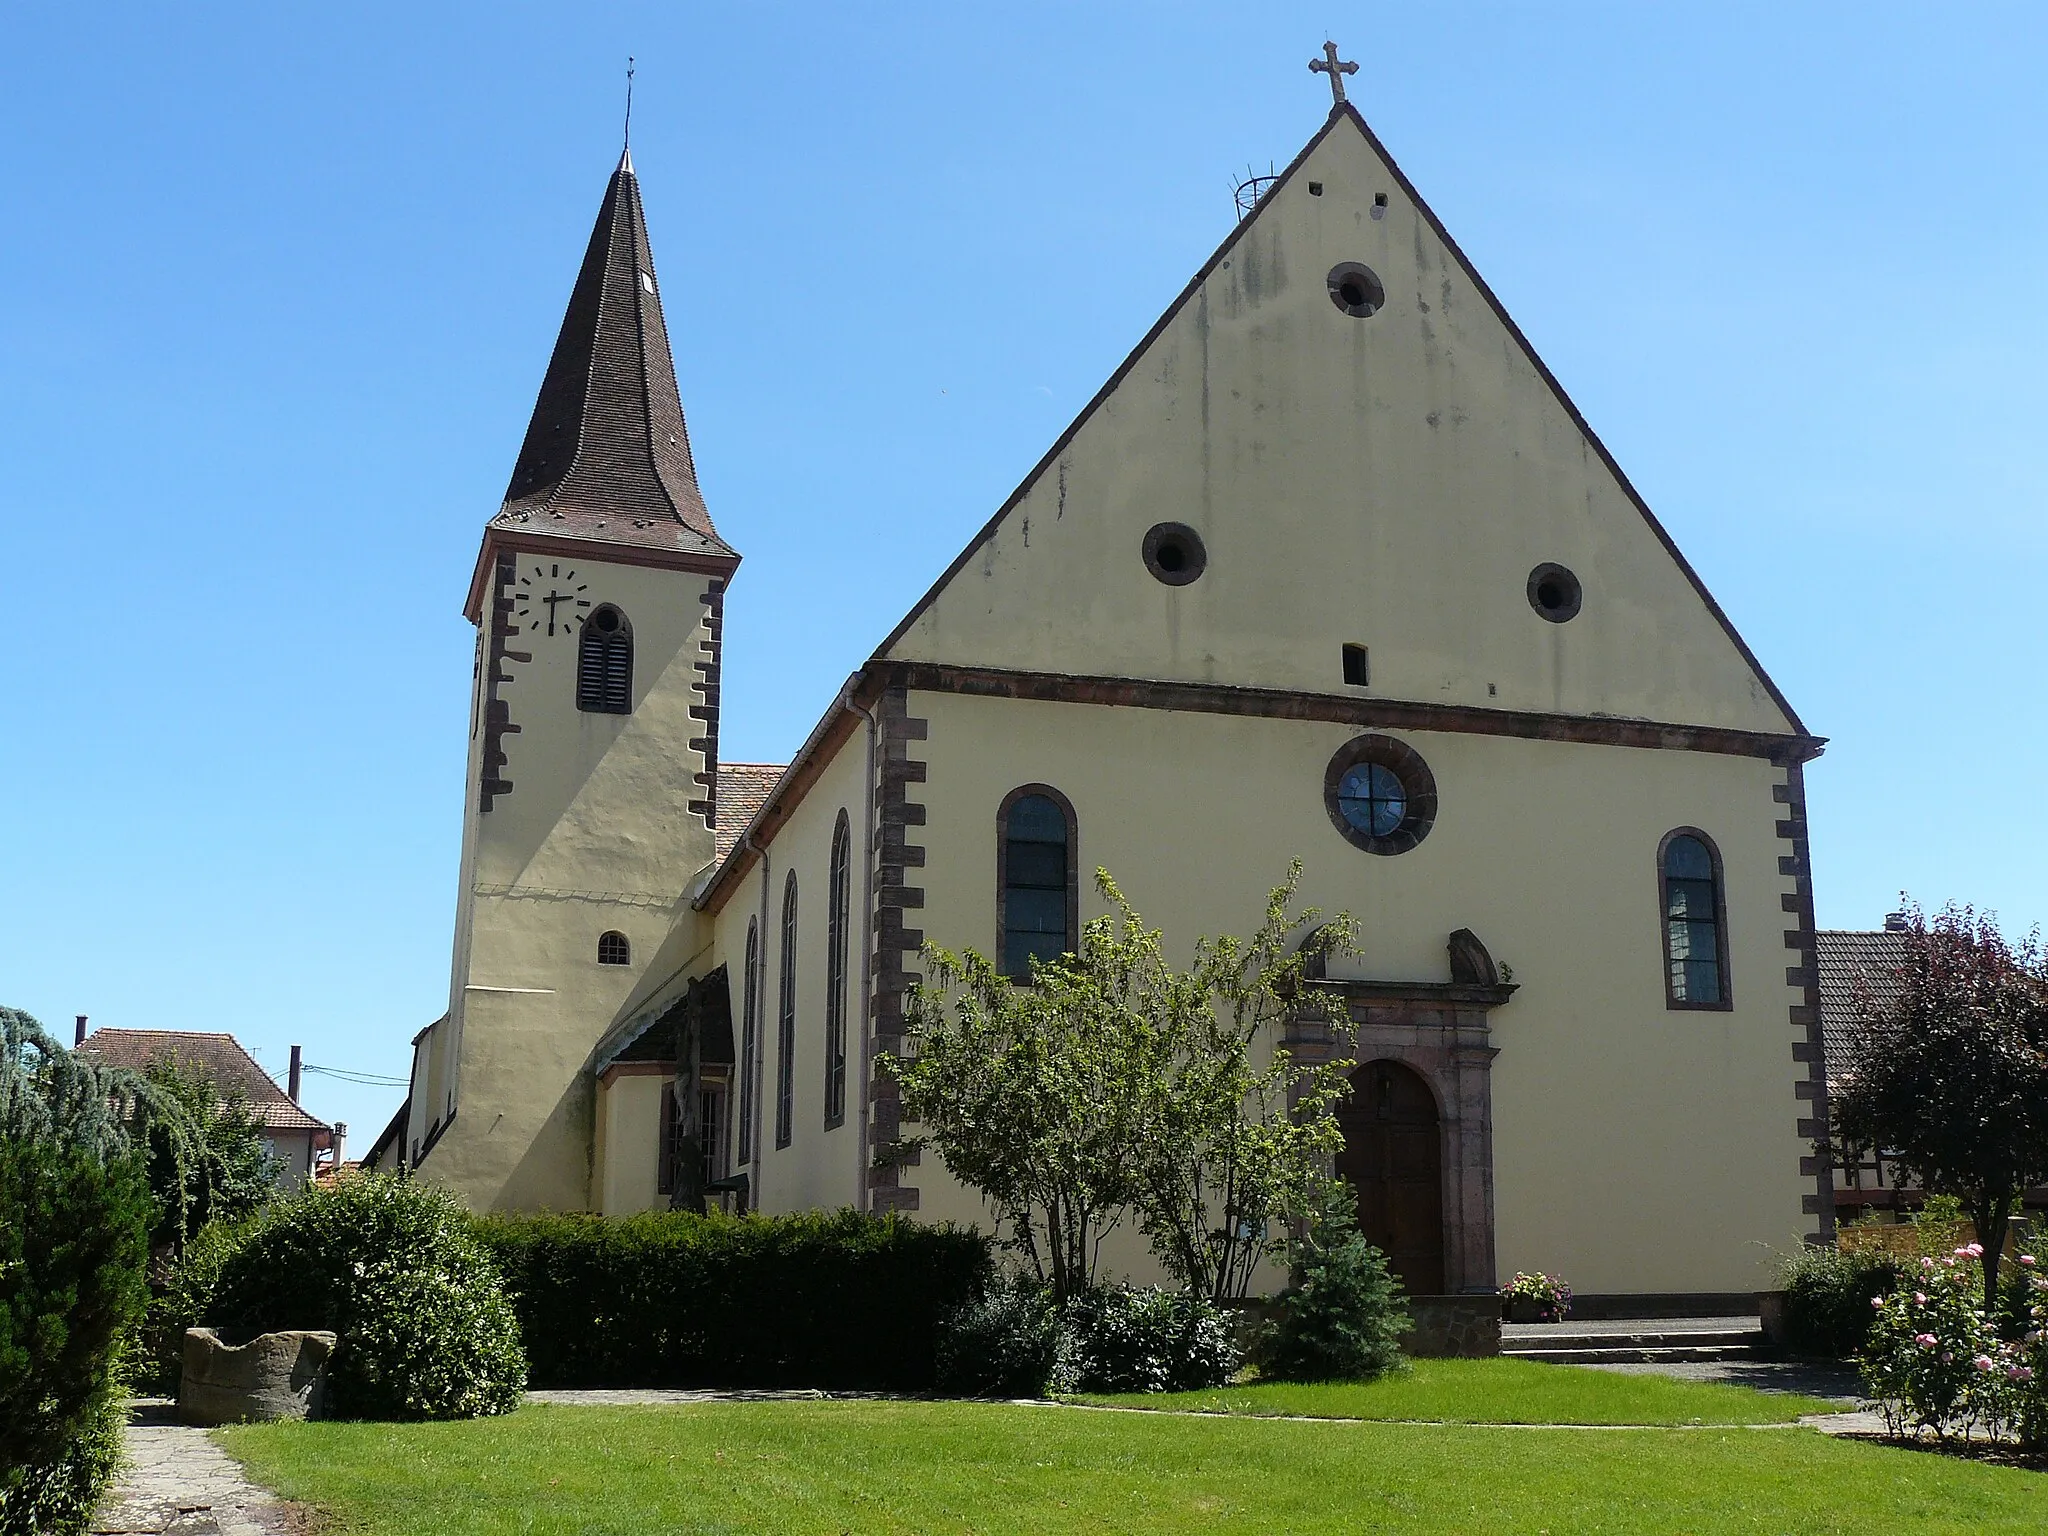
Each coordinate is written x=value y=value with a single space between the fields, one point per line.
x=268 y=1376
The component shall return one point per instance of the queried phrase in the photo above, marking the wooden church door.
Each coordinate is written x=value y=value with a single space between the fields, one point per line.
x=1393 y=1157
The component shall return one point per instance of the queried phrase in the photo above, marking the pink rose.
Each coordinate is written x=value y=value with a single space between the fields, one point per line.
x=1982 y=1362
x=2018 y=1373
x=1877 y=1301
x=1927 y=1263
x=1920 y=1297
x=1925 y=1340
x=2027 y=1259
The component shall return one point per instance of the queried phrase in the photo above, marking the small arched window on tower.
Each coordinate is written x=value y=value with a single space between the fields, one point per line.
x=1695 y=921
x=613 y=949
x=604 y=663
x=1037 y=897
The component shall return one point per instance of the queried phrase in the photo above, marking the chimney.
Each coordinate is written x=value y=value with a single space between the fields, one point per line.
x=292 y=1085
x=81 y=1033
x=340 y=1136
x=1895 y=922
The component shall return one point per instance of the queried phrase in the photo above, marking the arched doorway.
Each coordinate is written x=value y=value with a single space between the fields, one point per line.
x=1393 y=1157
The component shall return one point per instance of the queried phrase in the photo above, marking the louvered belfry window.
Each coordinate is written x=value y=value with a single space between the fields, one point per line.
x=604 y=663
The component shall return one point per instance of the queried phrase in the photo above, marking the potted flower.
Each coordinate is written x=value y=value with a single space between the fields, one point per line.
x=1535 y=1298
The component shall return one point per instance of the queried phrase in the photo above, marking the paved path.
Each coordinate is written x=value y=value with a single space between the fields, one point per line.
x=176 y=1482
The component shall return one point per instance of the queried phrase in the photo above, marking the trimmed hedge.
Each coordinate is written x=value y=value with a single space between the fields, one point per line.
x=837 y=1300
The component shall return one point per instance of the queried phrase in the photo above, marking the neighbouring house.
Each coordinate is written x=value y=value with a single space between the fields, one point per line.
x=303 y=1144
x=1858 y=964
x=1330 y=568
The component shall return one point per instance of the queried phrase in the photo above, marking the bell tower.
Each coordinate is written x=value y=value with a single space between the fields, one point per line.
x=598 y=597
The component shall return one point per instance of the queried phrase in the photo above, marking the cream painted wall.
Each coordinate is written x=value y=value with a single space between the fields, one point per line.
x=1635 y=1148
x=596 y=835
x=820 y=1167
x=628 y=1144
x=1389 y=481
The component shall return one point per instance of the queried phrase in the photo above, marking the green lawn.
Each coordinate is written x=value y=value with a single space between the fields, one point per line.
x=830 y=1467
x=1499 y=1392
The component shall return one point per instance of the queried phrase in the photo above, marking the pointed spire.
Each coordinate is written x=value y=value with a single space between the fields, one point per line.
x=607 y=455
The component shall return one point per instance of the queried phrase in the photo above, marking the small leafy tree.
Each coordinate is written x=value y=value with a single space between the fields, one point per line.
x=208 y=1161
x=1116 y=1084
x=1949 y=1076
x=1235 y=1137
x=1027 y=1092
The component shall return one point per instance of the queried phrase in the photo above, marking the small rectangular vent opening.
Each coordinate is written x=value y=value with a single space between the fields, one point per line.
x=1356 y=672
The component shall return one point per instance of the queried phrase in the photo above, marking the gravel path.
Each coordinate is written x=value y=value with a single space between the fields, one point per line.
x=176 y=1482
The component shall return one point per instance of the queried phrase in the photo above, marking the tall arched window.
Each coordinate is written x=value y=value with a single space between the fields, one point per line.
x=1037 y=894
x=750 y=1023
x=837 y=922
x=1695 y=913
x=604 y=663
x=785 y=1019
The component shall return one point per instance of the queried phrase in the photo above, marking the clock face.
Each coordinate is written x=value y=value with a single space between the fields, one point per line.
x=552 y=599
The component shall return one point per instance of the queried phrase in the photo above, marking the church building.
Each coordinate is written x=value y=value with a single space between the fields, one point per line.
x=1330 y=568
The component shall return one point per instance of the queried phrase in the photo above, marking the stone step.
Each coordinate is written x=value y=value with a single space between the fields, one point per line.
x=1621 y=1352
x=1638 y=1338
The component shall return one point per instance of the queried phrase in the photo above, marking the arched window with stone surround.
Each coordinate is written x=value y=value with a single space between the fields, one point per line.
x=785 y=1020
x=604 y=663
x=1037 y=890
x=750 y=1038
x=1695 y=917
x=837 y=919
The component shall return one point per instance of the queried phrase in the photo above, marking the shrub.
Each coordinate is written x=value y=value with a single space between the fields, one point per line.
x=72 y=1250
x=1004 y=1343
x=391 y=1266
x=57 y=1498
x=1828 y=1296
x=1114 y=1339
x=1343 y=1318
x=835 y=1299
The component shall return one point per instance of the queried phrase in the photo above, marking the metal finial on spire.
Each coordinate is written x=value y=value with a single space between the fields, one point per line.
x=629 y=102
x=1336 y=68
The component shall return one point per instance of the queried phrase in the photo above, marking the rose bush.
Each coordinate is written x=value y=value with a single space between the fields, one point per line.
x=1935 y=1359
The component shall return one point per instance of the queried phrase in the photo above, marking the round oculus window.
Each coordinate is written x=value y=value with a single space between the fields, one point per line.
x=1380 y=794
x=1356 y=289
x=1555 y=593
x=1174 y=553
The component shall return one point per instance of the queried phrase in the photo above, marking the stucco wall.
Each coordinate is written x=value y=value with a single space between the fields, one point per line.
x=595 y=835
x=628 y=1143
x=820 y=1167
x=1636 y=1148
x=1389 y=481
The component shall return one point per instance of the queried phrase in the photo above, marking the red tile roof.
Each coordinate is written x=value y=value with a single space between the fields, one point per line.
x=1853 y=961
x=743 y=789
x=232 y=1070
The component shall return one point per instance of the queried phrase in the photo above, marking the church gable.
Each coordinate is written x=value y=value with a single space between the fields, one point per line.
x=1336 y=466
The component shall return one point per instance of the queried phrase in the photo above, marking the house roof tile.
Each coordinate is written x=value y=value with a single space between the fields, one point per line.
x=232 y=1070
x=1853 y=961
x=743 y=788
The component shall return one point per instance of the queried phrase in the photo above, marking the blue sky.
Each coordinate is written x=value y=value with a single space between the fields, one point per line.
x=277 y=285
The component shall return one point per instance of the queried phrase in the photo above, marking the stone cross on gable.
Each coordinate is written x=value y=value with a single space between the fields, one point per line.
x=1329 y=64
